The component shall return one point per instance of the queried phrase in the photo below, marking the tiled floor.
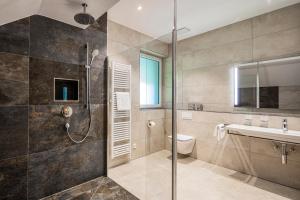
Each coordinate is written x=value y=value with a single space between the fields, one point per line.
x=149 y=178
x=102 y=188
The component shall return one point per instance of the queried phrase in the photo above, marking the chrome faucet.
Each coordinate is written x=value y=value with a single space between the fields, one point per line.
x=284 y=125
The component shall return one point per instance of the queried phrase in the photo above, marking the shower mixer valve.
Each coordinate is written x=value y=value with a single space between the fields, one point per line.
x=66 y=111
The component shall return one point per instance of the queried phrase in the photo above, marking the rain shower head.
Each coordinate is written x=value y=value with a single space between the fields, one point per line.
x=84 y=18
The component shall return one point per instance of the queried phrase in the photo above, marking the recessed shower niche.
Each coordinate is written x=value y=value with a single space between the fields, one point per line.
x=66 y=90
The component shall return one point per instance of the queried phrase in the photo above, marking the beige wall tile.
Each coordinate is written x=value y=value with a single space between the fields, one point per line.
x=226 y=54
x=157 y=47
x=267 y=148
x=126 y=35
x=115 y=48
x=270 y=168
x=232 y=158
x=140 y=149
x=232 y=33
x=278 y=20
x=219 y=75
x=275 y=45
x=124 y=46
x=217 y=94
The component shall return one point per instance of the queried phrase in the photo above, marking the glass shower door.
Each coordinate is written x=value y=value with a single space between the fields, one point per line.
x=141 y=162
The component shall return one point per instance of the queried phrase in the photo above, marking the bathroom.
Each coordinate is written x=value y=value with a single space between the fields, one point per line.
x=88 y=109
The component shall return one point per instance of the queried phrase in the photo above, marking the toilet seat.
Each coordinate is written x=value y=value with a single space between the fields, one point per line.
x=181 y=137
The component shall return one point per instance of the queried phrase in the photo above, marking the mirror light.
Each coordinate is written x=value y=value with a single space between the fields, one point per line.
x=236 y=90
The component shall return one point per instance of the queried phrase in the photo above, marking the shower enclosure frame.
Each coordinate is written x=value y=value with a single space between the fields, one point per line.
x=174 y=106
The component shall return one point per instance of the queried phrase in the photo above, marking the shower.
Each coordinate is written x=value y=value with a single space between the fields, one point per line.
x=84 y=18
x=67 y=111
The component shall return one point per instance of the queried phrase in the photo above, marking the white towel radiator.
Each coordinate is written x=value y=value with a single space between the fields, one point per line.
x=120 y=120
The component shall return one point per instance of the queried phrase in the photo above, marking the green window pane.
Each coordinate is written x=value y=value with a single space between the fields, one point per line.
x=149 y=81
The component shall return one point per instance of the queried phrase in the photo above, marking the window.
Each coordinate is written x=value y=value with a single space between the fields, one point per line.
x=150 y=81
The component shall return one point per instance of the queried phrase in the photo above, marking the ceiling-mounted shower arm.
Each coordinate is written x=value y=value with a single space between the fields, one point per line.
x=84 y=5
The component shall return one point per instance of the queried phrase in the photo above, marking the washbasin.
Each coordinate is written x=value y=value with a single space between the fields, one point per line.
x=290 y=136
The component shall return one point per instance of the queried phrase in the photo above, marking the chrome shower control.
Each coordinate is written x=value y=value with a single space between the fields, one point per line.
x=67 y=111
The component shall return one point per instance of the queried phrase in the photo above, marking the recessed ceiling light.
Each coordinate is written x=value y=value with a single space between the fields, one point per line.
x=139 y=7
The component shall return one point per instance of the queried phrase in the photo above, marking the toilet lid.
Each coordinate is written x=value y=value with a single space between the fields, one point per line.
x=181 y=137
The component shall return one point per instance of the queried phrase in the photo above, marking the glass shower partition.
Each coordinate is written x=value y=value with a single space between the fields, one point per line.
x=139 y=143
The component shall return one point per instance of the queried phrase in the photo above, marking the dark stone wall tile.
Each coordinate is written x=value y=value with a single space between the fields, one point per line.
x=47 y=126
x=13 y=131
x=99 y=62
x=52 y=171
x=100 y=24
x=14 y=67
x=56 y=50
x=14 y=37
x=41 y=79
x=13 y=79
x=96 y=40
x=98 y=86
x=13 y=178
x=13 y=93
x=57 y=41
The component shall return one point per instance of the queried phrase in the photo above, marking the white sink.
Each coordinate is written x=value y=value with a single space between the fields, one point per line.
x=266 y=133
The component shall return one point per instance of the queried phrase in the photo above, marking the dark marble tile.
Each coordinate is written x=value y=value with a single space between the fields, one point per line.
x=13 y=93
x=110 y=190
x=57 y=41
x=100 y=24
x=96 y=39
x=41 y=79
x=98 y=86
x=47 y=131
x=102 y=188
x=100 y=62
x=14 y=37
x=14 y=67
x=53 y=171
x=13 y=79
x=13 y=178
x=13 y=131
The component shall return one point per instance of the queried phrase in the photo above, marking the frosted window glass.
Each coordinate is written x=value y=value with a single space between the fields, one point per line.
x=149 y=82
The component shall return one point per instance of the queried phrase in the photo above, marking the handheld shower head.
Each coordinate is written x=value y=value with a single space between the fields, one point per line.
x=94 y=54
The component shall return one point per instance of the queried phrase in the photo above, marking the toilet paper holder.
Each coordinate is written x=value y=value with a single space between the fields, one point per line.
x=150 y=124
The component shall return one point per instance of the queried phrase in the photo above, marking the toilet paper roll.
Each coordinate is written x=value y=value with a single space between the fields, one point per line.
x=150 y=124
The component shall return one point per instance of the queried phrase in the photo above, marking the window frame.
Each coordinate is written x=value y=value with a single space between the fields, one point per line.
x=159 y=60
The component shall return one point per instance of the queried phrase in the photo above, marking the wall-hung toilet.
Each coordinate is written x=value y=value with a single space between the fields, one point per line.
x=185 y=143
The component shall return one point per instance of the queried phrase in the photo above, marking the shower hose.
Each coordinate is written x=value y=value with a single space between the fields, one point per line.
x=87 y=133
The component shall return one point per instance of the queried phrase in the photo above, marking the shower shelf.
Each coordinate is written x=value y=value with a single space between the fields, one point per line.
x=279 y=135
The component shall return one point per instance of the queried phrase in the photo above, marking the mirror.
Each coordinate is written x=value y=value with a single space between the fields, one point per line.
x=273 y=84
x=245 y=85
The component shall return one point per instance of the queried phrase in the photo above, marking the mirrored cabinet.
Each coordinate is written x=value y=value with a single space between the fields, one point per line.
x=273 y=84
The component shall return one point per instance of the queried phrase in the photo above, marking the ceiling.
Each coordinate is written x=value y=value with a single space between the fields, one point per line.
x=61 y=10
x=155 y=17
